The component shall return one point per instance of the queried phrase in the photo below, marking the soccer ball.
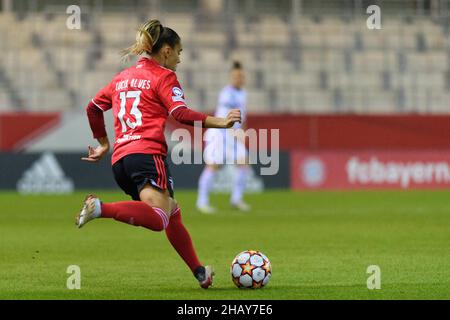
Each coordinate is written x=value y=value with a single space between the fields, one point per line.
x=251 y=269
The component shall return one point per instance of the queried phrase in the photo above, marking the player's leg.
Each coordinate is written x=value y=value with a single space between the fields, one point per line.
x=204 y=188
x=239 y=188
x=181 y=240
x=240 y=155
x=151 y=212
x=133 y=174
x=214 y=157
x=136 y=213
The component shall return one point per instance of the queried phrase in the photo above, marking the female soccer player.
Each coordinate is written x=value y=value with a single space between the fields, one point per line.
x=141 y=98
x=221 y=147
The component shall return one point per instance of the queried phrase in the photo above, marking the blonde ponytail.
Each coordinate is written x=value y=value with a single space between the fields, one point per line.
x=146 y=36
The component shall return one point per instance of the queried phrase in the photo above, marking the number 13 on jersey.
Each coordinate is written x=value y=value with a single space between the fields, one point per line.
x=136 y=95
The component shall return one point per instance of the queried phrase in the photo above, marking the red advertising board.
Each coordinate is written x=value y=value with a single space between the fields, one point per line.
x=370 y=169
x=18 y=128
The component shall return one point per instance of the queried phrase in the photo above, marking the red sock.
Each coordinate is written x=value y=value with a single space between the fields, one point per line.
x=181 y=240
x=136 y=213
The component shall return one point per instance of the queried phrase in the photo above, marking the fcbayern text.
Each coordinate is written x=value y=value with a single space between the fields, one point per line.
x=396 y=172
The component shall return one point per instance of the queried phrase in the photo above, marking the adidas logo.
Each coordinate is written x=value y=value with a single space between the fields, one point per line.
x=45 y=176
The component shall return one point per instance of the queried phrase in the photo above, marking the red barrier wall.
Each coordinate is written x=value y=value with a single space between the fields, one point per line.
x=311 y=132
x=18 y=128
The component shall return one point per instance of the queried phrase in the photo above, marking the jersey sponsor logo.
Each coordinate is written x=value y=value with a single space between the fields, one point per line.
x=177 y=95
x=45 y=176
x=128 y=137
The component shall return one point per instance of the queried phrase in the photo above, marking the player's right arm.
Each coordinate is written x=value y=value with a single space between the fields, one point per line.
x=101 y=103
x=97 y=154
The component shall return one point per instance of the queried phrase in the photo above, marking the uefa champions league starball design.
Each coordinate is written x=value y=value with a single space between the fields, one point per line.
x=251 y=269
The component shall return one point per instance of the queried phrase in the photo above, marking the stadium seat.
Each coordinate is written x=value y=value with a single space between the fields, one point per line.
x=329 y=60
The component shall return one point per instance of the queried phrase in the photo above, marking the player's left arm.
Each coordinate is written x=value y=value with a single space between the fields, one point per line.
x=172 y=97
x=189 y=117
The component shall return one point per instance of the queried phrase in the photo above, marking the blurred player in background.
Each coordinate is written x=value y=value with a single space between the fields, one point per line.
x=221 y=147
x=142 y=97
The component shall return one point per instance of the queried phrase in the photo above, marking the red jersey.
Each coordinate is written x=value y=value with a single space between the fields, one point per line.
x=141 y=98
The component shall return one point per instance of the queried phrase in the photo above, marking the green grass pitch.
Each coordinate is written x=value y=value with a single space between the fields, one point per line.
x=319 y=243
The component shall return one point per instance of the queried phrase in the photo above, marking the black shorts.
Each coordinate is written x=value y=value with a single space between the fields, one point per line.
x=134 y=171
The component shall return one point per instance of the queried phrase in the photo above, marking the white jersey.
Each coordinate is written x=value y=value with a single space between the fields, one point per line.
x=232 y=98
x=221 y=147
